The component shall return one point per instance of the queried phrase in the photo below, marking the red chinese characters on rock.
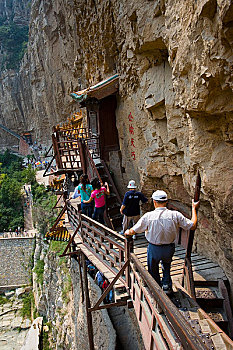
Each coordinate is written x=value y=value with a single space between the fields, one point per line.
x=130 y=117
x=131 y=129
x=133 y=156
x=131 y=132
x=132 y=142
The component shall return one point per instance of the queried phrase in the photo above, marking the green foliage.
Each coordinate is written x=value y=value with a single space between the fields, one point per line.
x=28 y=175
x=46 y=345
x=67 y=288
x=13 y=40
x=12 y=177
x=35 y=314
x=28 y=301
x=39 y=270
x=7 y=158
x=43 y=213
x=11 y=211
x=10 y=193
x=3 y=300
x=2 y=20
x=58 y=247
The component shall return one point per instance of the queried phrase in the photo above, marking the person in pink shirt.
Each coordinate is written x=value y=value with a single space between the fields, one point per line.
x=98 y=196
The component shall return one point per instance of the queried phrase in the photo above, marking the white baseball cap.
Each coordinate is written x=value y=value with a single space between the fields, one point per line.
x=131 y=184
x=159 y=196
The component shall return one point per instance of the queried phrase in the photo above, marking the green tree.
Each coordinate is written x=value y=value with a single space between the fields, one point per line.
x=43 y=212
x=13 y=40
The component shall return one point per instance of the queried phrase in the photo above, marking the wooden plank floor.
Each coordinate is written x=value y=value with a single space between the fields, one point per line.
x=203 y=269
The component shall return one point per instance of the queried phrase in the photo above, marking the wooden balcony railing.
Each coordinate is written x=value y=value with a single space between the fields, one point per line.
x=168 y=330
x=161 y=323
x=107 y=245
x=68 y=145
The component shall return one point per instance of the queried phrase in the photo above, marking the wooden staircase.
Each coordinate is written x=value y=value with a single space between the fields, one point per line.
x=60 y=234
x=212 y=296
x=59 y=231
x=113 y=202
x=207 y=315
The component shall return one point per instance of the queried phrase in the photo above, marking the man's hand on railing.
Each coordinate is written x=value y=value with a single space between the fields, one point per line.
x=195 y=205
x=130 y=232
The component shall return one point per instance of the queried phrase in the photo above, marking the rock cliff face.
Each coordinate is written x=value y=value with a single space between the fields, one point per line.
x=175 y=65
x=13 y=97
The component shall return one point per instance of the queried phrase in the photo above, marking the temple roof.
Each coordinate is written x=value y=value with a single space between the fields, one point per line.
x=103 y=89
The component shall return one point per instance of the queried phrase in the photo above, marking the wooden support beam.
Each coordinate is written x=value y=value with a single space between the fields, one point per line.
x=87 y=299
x=70 y=241
x=81 y=276
x=188 y=264
x=48 y=166
x=107 y=290
x=107 y=306
x=128 y=250
x=58 y=218
x=55 y=206
x=188 y=277
x=76 y=252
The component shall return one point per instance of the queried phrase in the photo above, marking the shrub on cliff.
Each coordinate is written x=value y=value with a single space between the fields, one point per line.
x=39 y=270
x=12 y=178
x=13 y=40
x=11 y=211
x=43 y=213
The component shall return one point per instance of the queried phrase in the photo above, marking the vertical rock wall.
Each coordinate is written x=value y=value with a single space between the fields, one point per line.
x=14 y=98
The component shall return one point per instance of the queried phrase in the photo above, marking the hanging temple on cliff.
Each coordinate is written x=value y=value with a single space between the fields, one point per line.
x=147 y=86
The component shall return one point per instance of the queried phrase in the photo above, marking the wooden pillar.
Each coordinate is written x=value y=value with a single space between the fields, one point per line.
x=81 y=276
x=88 y=305
x=56 y=151
x=187 y=270
x=82 y=147
x=128 y=250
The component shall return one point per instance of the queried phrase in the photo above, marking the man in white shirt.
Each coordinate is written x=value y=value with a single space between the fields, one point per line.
x=162 y=228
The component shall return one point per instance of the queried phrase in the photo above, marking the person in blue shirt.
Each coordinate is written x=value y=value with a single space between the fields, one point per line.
x=99 y=278
x=76 y=193
x=84 y=190
x=130 y=208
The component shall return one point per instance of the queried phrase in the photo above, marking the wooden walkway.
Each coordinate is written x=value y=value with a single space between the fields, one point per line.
x=203 y=268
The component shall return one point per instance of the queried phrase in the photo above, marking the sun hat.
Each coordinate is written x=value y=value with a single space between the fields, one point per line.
x=159 y=196
x=131 y=184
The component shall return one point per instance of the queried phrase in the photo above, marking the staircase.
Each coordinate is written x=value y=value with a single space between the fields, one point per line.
x=212 y=297
x=113 y=201
x=208 y=315
x=10 y=131
x=60 y=234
